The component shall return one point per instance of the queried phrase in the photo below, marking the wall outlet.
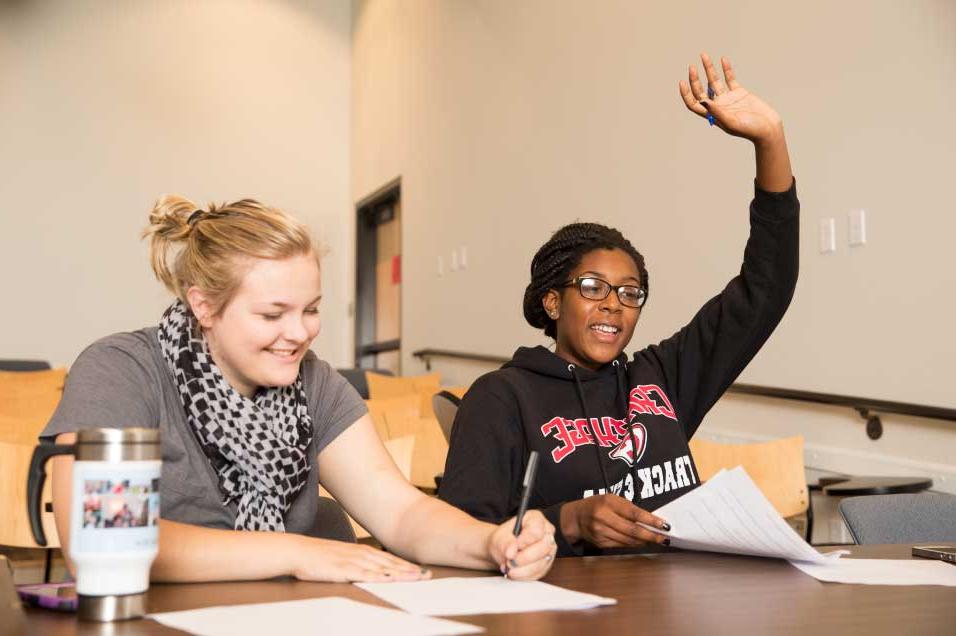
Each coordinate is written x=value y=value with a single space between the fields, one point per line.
x=454 y=260
x=441 y=266
x=463 y=256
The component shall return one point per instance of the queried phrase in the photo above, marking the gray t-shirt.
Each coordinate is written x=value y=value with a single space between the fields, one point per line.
x=123 y=381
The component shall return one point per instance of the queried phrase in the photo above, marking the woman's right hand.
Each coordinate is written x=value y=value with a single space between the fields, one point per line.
x=341 y=562
x=610 y=521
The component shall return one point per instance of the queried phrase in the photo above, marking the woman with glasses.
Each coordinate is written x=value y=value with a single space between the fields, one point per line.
x=612 y=433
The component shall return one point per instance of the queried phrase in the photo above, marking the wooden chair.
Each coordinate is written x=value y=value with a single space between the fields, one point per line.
x=776 y=467
x=406 y=405
x=401 y=449
x=27 y=401
x=30 y=397
x=431 y=449
x=423 y=386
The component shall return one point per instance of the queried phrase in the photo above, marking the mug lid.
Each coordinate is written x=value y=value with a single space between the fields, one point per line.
x=118 y=436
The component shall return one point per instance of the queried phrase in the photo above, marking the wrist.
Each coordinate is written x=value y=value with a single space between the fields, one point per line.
x=489 y=554
x=291 y=548
x=570 y=527
x=772 y=138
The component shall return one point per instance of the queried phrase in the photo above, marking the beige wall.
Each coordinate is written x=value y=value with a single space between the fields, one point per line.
x=506 y=120
x=106 y=105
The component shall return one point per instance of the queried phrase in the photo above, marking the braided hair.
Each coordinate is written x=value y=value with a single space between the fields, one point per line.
x=555 y=260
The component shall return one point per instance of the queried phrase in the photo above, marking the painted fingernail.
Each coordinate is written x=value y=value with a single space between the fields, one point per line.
x=503 y=569
x=665 y=526
x=703 y=103
x=666 y=542
x=548 y=558
x=424 y=571
x=513 y=563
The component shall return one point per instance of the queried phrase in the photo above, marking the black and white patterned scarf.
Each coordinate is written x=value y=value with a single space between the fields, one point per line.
x=256 y=446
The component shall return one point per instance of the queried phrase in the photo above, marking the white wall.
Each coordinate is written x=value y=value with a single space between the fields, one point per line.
x=507 y=120
x=104 y=106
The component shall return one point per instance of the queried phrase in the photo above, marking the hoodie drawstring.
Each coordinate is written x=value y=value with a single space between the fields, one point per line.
x=622 y=389
x=587 y=417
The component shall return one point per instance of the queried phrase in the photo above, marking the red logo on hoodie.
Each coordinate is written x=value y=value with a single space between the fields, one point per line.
x=625 y=450
x=649 y=399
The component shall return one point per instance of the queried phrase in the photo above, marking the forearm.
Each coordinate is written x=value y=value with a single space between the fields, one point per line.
x=431 y=531
x=195 y=553
x=774 y=173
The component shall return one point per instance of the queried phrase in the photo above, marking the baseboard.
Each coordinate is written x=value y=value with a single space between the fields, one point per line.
x=853 y=462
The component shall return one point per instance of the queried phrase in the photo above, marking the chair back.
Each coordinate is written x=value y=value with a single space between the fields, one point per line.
x=331 y=522
x=405 y=405
x=356 y=378
x=401 y=450
x=27 y=401
x=445 y=404
x=431 y=449
x=24 y=365
x=30 y=397
x=776 y=467
x=910 y=518
x=423 y=386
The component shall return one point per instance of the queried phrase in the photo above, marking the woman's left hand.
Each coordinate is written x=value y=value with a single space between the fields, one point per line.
x=735 y=109
x=528 y=556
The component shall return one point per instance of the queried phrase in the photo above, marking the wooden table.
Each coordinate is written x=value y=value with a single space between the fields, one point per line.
x=673 y=593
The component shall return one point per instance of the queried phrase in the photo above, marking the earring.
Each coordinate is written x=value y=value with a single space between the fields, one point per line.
x=553 y=315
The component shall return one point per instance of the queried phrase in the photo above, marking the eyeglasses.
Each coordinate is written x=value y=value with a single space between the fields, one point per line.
x=597 y=289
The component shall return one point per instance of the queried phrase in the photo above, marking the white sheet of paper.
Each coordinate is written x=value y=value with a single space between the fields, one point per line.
x=881 y=572
x=481 y=595
x=326 y=616
x=729 y=514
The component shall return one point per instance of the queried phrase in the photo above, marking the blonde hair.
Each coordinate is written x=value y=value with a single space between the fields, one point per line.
x=209 y=248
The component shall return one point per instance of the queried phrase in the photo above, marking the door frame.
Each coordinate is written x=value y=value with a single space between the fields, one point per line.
x=371 y=211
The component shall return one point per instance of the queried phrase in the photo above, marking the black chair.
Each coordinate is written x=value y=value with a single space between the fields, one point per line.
x=24 y=365
x=331 y=522
x=908 y=518
x=445 y=405
x=356 y=378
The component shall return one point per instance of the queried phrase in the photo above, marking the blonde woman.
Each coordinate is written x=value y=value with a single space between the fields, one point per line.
x=251 y=421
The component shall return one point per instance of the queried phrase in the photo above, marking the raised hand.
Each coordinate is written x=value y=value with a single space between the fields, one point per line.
x=735 y=109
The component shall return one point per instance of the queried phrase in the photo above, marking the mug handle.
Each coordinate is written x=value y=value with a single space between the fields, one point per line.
x=41 y=454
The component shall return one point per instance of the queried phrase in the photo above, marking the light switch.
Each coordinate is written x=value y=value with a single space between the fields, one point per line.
x=441 y=267
x=454 y=260
x=827 y=235
x=857 y=219
x=463 y=256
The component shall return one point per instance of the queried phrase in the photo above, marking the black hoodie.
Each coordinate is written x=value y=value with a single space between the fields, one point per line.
x=537 y=401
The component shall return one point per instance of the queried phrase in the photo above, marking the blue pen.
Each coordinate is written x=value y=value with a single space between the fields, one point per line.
x=710 y=95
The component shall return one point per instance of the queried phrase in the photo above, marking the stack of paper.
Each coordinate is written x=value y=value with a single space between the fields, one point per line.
x=730 y=514
x=481 y=595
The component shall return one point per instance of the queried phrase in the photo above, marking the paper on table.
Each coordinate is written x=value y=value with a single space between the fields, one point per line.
x=481 y=595
x=730 y=514
x=331 y=615
x=881 y=572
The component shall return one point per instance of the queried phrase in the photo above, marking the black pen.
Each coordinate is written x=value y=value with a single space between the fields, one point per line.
x=528 y=485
